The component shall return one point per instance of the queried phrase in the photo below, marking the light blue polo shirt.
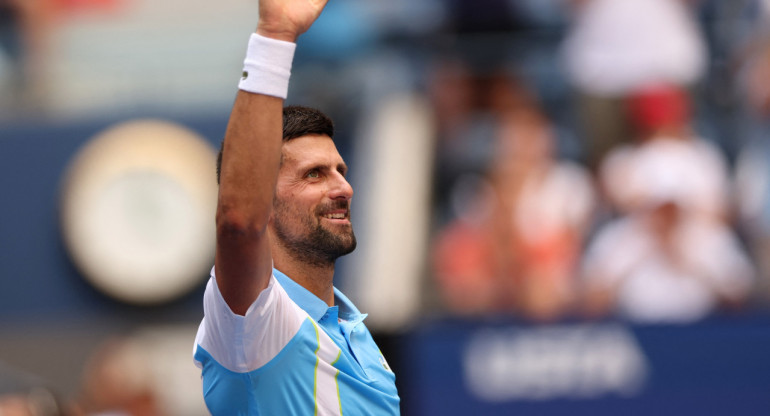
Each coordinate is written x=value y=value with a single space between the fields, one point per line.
x=291 y=354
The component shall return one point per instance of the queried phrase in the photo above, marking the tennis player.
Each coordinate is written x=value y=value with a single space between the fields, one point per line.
x=277 y=337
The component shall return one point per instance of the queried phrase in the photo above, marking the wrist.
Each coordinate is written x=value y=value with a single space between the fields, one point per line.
x=266 y=30
x=267 y=67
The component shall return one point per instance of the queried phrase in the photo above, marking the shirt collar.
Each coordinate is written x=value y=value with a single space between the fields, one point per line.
x=313 y=305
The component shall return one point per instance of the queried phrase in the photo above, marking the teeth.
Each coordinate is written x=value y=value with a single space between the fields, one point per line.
x=336 y=216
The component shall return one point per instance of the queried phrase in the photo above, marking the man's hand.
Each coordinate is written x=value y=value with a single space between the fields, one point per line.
x=287 y=19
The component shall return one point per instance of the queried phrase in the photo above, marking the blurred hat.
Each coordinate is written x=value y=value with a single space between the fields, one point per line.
x=658 y=106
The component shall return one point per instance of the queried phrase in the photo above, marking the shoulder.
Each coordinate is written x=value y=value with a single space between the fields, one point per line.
x=243 y=343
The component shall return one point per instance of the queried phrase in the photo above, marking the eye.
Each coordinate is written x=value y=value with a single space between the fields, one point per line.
x=313 y=174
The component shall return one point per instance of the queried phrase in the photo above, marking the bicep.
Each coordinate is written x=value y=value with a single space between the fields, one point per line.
x=243 y=269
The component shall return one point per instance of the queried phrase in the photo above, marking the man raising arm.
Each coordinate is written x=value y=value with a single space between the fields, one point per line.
x=250 y=161
x=283 y=340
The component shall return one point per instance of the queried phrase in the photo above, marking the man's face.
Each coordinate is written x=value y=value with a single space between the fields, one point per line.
x=311 y=209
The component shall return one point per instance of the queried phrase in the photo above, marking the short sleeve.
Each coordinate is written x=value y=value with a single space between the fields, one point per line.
x=246 y=343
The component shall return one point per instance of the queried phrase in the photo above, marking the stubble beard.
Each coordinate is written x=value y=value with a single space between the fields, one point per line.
x=317 y=246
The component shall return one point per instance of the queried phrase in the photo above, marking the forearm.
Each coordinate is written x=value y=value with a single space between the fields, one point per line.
x=252 y=147
x=250 y=161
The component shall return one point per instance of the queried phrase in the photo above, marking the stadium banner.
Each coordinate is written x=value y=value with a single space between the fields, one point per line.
x=719 y=366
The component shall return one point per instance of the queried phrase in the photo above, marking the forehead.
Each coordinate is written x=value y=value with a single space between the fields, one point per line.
x=310 y=150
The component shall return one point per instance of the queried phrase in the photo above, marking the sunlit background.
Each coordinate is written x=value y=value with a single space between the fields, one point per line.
x=563 y=206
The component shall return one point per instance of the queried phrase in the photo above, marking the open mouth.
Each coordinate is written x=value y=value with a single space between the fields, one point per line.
x=336 y=212
x=336 y=215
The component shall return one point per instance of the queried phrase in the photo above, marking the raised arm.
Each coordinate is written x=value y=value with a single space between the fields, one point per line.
x=250 y=162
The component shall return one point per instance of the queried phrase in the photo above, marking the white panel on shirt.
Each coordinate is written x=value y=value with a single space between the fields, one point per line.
x=327 y=390
x=246 y=343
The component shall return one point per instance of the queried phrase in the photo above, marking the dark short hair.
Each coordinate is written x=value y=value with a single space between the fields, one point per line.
x=298 y=121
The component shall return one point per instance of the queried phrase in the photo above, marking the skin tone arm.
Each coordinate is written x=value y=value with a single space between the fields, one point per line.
x=250 y=163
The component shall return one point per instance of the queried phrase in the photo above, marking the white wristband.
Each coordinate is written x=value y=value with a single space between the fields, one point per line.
x=267 y=66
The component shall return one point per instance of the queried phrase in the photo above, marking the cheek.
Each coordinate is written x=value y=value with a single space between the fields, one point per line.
x=299 y=198
x=285 y=197
x=292 y=206
x=306 y=199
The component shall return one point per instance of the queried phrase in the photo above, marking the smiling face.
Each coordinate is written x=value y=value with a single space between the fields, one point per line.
x=311 y=208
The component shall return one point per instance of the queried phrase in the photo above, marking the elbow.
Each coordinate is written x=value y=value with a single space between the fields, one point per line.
x=234 y=224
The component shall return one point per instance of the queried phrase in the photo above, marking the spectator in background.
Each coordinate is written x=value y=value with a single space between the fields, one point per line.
x=671 y=257
x=665 y=141
x=468 y=105
x=661 y=264
x=615 y=47
x=515 y=247
x=753 y=162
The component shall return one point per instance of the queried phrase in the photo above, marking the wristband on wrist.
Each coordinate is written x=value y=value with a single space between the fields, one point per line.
x=267 y=66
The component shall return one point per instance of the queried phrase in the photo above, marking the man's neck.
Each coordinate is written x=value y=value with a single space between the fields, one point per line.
x=318 y=280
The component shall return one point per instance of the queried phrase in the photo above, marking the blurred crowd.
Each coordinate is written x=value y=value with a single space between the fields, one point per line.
x=656 y=220
x=592 y=157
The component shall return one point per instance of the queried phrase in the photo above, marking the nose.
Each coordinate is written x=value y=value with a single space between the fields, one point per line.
x=340 y=188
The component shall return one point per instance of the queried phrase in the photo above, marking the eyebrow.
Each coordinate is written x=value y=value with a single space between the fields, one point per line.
x=342 y=167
